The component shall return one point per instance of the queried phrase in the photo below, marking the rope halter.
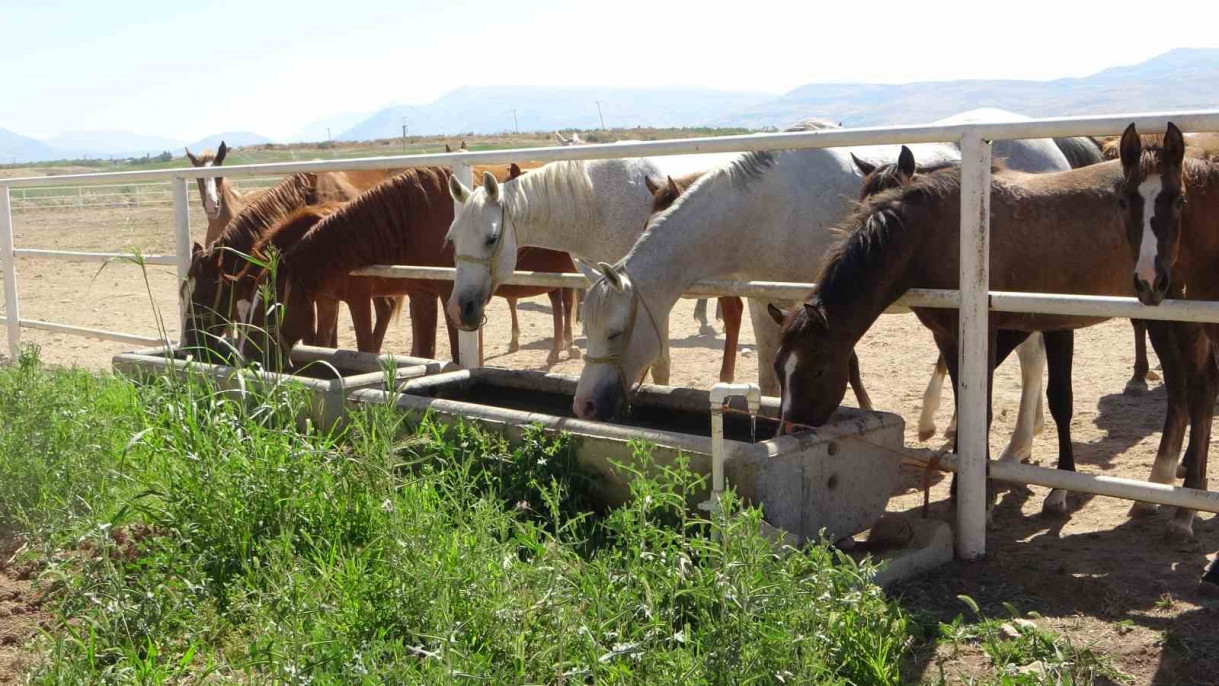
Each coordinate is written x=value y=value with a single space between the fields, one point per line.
x=614 y=358
x=489 y=262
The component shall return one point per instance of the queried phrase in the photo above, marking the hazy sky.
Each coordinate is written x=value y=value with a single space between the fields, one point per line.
x=188 y=68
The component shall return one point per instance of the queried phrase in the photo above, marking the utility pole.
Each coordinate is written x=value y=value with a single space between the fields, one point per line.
x=404 y=135
x=516 y=123
x=599 y=116
x=327 y=136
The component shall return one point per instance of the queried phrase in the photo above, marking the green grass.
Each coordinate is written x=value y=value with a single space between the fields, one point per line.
x=184 y=533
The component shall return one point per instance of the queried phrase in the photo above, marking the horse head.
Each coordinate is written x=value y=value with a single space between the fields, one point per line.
x=209 y=187
x=624 y=339
x=813 y=369
x=1151 y=198
x=484 y=246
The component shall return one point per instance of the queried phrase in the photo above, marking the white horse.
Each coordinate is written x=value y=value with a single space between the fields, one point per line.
x=765 y=216
x=593 y=210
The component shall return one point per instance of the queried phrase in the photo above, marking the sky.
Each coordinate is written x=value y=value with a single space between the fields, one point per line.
x=184 y=69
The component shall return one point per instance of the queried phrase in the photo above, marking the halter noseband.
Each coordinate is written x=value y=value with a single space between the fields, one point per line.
x=614 y=359
x=489 y=262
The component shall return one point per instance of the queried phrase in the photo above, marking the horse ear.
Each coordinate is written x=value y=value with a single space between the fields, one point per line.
x=672 y=186
x=447 y=148
x=194 y=161
x=491 y=186
x=776 y=314
x=463 y=146
x=814 y=312
x=196 y=250
x=1131 y=148
x=862 y=166
x=458 y=190
x=905 y=162
x=651 y=185
x=559 y=138
x=610 y=275
x=1174 y=146
x=220 y=153
x=514 y=170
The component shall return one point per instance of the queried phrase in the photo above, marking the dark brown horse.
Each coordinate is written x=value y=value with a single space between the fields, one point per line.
x=1169 y=200
x=207 y=295
x=664 y=194
x=910 y=238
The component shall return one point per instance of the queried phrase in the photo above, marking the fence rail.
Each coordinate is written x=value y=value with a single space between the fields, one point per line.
x=136 y=194
x=973 y=297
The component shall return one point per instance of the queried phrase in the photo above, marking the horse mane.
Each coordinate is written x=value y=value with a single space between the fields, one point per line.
x=293 y=227
x=277 y=202
x=559 y=191
x=753 y=165
x=378 y=225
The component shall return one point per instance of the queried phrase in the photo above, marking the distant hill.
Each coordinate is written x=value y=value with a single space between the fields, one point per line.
x=489 y=109
x=315 y=131
x=233 y=139
x=112 y=143
x=1177 y=80
x=17 y=148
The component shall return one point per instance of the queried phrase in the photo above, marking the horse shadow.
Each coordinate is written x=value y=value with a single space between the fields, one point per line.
x=1126 y=421
x=1122 y=577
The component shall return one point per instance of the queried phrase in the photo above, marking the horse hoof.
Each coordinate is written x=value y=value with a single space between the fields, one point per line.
x=1055 y=504
x=1136 y=386
x=553 y=357
x=1179 y=530
x=514 y=347
x=573 y=353
x=950 y=433
x=1141 y=510
x=926 y=432
x=1153 y=375
x=1011 y=454
x=707 y=330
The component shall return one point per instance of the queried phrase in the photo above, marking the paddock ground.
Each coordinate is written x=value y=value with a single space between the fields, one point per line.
x=1105 y=581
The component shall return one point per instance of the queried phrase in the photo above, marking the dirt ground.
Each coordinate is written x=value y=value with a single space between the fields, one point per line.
x=1104 y=580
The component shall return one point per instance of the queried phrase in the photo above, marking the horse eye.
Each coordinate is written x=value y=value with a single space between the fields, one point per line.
x=1121 y=202
x=490 y=240
x=616 y=336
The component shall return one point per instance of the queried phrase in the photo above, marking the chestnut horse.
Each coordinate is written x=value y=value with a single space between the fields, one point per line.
x=664 y=194
x=221 y=200
x=401 y=221
x=206 y=293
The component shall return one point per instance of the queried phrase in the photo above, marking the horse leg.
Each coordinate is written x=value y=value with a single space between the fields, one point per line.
x=570 y=305
x=361 y=319
x=556 y=310
x=1201 y=381
x=700 y=314
x=861 y=394
x=1164 y=339
x=1138 y=382
x=1060 y=353
x=423 y=325
x=326 y=331
x=931 y=400
x=732 y=309
x=1030 y=420
x=514 y=343
x=385 y=307
x=766 y=336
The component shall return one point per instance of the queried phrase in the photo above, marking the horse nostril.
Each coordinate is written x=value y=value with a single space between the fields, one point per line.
x=590 y=408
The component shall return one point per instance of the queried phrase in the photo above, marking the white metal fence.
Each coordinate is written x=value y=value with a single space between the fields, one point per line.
x=130 y=195
x=973 y=298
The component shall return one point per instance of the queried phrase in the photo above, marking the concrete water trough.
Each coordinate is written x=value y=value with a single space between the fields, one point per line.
x=327 y=373
x=838 y=479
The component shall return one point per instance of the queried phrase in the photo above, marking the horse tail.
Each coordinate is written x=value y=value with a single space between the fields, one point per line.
x=1080 y=151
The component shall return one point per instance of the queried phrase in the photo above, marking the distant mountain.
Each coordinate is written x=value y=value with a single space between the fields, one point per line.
x=1177 y=80
x=233 y=139
x=17 y=148
x=490 y=109
x=113 y=143
x=315 y=131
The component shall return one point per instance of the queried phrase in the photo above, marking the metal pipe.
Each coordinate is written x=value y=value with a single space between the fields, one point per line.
x=12 y=312
x=75 y=256
x=182 y=244
x=1189 y=121
x=101 y=334
x=974 y=367
x=719 y=395
x=469 y=343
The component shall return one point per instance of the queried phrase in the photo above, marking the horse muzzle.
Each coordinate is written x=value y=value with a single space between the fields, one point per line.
x=1151 y=294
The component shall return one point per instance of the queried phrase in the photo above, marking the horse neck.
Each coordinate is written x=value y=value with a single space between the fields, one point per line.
x=1199 y=243
x=396 y=224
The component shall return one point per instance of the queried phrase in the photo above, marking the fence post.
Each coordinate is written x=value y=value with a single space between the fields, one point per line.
x=972 y=430
x=8 y=263
x=181 y=235
x=469 y=343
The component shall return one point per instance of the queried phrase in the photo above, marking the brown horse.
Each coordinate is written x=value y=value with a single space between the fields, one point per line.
x=402 y=221
x=910 y=238
x=664 y=194
x=221 y=200
x=206 y=293
x=1169 y=200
